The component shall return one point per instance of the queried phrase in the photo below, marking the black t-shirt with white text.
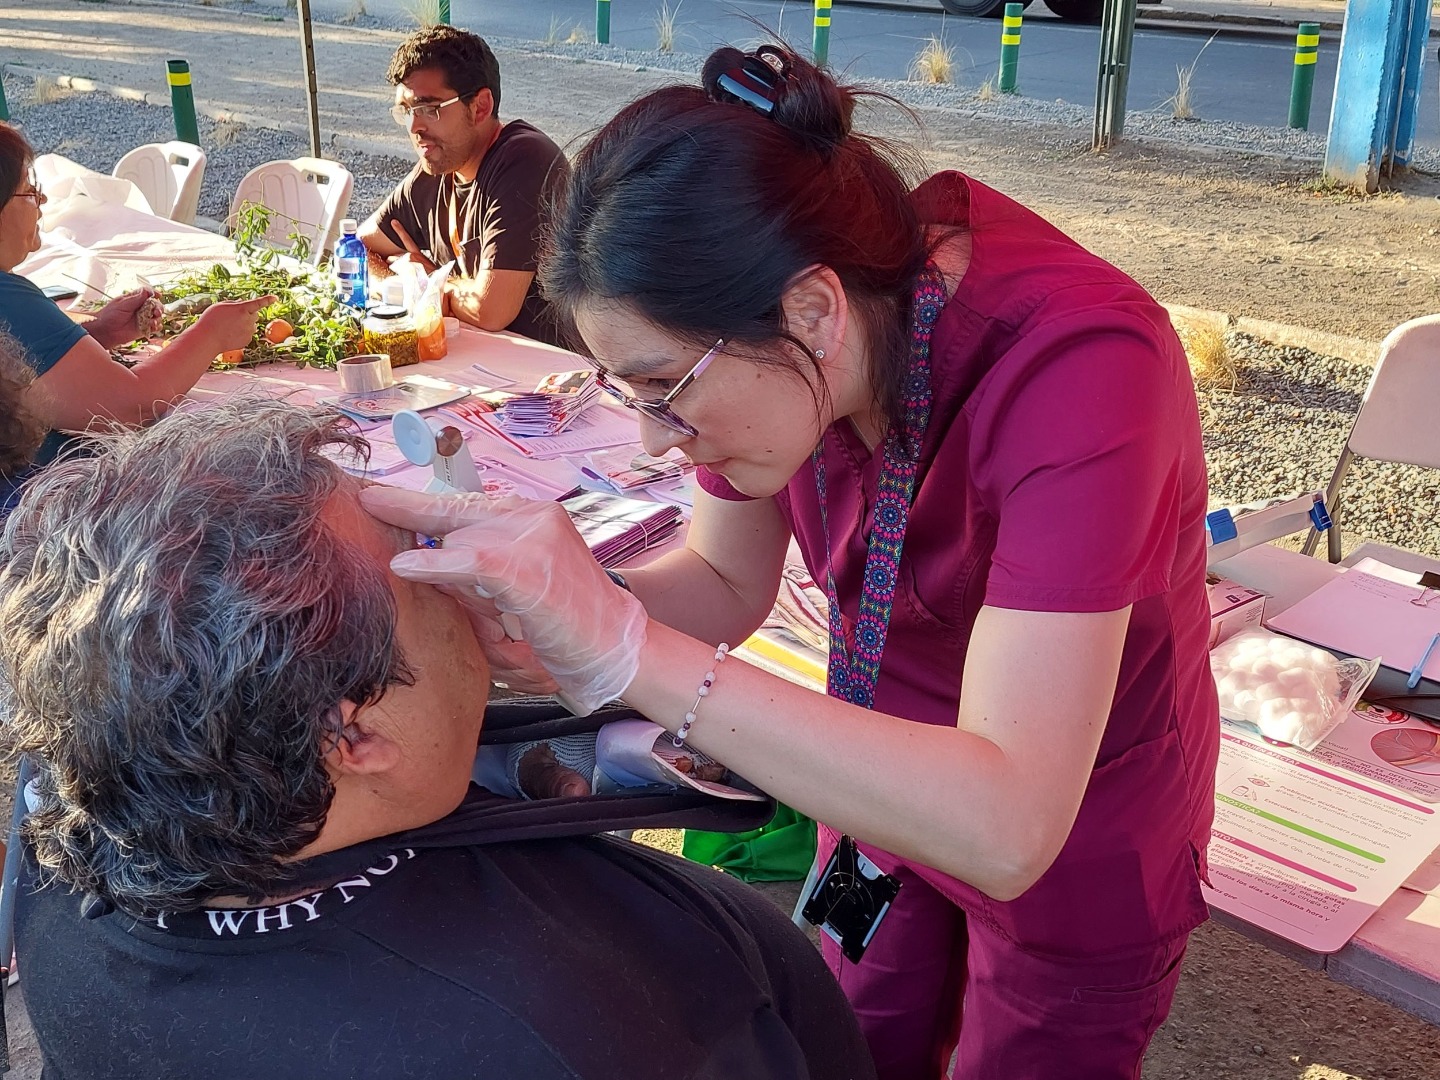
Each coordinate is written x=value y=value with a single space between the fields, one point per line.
x=585 y=958
x=492 y=223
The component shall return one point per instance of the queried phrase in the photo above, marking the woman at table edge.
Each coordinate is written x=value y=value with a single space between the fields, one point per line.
x=936 y=380
x=77 y=381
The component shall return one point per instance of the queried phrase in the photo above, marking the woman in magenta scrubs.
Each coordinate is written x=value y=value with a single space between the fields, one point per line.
x=985 y=441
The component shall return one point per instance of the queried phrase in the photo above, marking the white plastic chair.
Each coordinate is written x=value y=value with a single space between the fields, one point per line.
x=309 y=196
x=1396 y=422
x=168 y=175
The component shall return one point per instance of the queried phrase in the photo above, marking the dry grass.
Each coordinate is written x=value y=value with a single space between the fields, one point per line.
x=353 y=14
x=556 y=33
x=226 y=132
x=44 y=90
x=423 y=12
x=1212 y=364
x=579 y=36
x=934 y=63
x=665 y=20
x=669 y=840
x=1182 y=102
x=987 y=91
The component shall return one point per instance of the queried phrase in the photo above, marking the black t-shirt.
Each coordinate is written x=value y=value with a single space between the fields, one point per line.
x=491 y=223
x=591 y=958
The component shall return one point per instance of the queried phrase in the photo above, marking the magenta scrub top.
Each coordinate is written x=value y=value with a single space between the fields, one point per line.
x=1062 y=470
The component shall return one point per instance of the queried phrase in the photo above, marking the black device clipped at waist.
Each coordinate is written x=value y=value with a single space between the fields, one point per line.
x=850 y=898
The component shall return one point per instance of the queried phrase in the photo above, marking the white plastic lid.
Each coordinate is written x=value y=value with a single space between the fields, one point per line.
x=393 y=292
x=349 y=226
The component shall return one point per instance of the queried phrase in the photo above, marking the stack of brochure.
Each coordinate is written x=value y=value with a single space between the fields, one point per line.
x=626 y=468
x=556 y=401
x=617 y=528
x=794 y=641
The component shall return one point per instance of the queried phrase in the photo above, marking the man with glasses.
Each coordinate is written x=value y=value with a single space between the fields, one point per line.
x=478 y=192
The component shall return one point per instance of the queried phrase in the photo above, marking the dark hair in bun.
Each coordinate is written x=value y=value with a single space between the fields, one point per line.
x=699 y=206
x=807 y=102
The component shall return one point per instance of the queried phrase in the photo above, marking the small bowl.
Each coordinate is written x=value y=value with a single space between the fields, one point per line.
x=452 y=326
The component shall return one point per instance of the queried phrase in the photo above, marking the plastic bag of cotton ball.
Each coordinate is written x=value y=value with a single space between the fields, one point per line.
x=1292 y=692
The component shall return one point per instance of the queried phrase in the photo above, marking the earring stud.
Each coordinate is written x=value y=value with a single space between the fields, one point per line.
x=819 y=354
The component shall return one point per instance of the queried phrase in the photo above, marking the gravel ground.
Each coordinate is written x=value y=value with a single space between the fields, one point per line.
x=1277 y=431
x=1280 y=430
x=1302 y=401
x=1149 y=125
x=1155 y=124
x=96 y=129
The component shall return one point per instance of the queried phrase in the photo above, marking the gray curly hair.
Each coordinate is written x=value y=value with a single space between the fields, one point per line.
x=178 y=628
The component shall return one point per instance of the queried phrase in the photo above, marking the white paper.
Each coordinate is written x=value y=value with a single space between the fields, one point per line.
x=486 y=378
x=1386 y=745
x=1306 y=850
x=1368 y=616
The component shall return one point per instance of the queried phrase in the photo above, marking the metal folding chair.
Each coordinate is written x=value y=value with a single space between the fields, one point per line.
x=1397 y=422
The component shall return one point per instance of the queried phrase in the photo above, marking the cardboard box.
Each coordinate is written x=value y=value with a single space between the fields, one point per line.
x=1234 y=608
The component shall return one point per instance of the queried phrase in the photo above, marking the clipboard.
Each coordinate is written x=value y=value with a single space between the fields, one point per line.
x=1373 y=611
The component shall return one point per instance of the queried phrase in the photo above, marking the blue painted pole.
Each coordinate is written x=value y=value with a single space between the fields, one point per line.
x=1411 y=88
x=1372 y=122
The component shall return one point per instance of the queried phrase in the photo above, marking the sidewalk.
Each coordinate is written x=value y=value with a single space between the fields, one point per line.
x=1270 y=18
x=1276 y=14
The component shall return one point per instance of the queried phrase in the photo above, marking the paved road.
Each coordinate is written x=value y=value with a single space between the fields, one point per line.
x=1240 y=79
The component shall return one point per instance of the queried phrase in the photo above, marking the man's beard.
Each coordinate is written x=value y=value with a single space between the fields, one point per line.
x=446 y=161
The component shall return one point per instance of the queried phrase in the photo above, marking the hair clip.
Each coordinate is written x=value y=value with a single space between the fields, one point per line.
x=755 y=81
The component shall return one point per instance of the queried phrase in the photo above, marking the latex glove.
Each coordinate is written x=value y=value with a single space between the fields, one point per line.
x=512 y=663
x=529 y=560
x=127 y=318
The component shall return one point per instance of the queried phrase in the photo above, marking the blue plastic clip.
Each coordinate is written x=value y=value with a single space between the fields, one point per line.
x=1319 y=516
x=1220 y=525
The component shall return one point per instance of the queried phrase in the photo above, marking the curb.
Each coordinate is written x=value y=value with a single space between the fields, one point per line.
x=1358 y=351
x=161 y=99
x=1177 y=20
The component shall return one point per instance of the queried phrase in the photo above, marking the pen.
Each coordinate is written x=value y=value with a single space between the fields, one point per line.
x=1419 y=667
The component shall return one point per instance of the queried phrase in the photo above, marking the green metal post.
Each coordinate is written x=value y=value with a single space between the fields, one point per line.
x=1302 y=85
x=445 y=12
x=602 y=21
x=820 y=43
x=1010 y=47
x=1117 y=42
x=182 y=101
x=4 y=107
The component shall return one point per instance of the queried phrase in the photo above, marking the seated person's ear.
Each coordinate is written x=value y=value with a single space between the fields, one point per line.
x=484 y=105
x=361 y=748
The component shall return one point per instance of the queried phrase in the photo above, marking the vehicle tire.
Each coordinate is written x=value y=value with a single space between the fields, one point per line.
x=1084 y=11
x=983 y=8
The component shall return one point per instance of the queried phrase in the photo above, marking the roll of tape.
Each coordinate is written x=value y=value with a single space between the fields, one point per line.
x=365 y=374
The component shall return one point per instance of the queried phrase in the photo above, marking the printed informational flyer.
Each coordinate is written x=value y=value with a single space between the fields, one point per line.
x=1387 y=745
x=1306 y=849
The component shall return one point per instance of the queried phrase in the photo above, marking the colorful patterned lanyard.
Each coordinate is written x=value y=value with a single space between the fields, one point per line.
x=853 y=679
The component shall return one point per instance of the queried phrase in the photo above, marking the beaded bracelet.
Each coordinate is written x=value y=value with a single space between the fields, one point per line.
x=700 y=695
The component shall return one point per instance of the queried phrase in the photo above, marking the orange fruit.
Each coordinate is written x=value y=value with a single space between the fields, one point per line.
x=231 y=357
x=277 y=330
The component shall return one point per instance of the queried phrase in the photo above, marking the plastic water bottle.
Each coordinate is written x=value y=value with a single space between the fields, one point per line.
x=352 y=270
